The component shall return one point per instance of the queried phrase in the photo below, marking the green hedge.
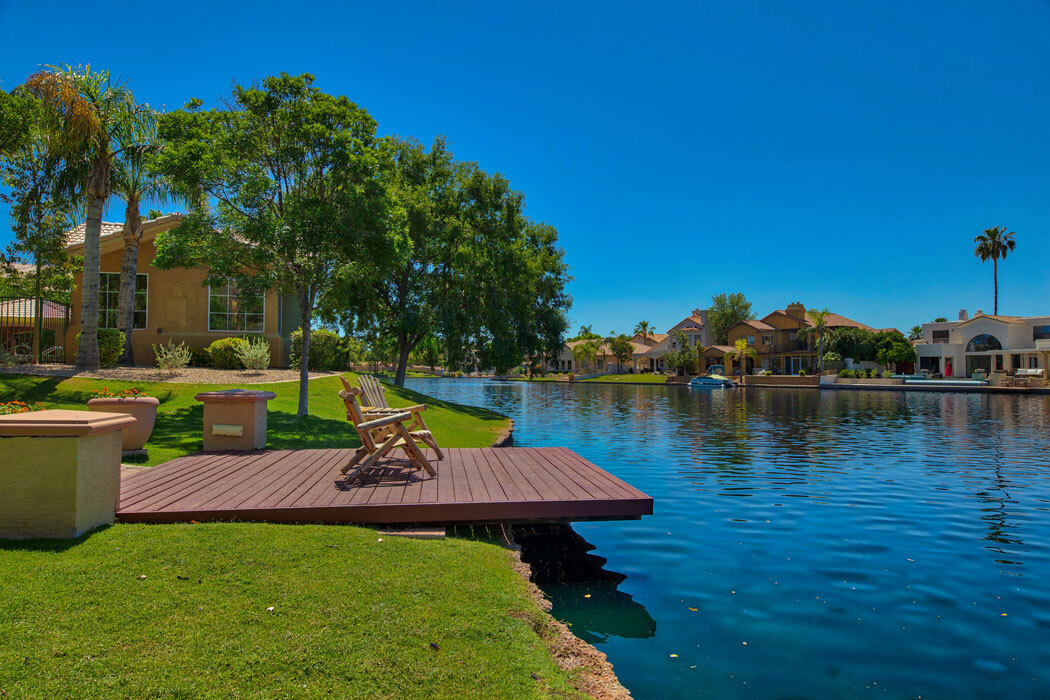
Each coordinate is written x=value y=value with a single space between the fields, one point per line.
x=224 y=353
x=327 y=351
x=110 y=345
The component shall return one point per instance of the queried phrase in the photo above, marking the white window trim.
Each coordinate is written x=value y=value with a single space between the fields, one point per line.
x=146 y=275
x=226 y=331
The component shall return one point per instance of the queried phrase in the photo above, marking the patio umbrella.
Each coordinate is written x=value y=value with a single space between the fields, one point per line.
x=948 y=368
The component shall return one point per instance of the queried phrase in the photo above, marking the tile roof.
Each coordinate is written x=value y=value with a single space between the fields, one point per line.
x=720 y=348
x=758 y=325
x=75 y=235
x=24 y=308
x=20 y=268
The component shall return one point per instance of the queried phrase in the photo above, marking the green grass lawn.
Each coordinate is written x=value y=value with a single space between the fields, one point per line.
x=631 y=378
x=351 y=617
x=180 y=417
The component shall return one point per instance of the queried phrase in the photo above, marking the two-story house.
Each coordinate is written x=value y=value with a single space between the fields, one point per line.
x=991 y=343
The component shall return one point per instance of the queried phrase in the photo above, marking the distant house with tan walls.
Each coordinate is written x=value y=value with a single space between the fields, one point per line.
x=175 y=304
x=985 y=342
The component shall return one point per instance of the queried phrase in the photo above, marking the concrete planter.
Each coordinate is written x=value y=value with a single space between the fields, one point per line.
x=60 y=475
x=142 y=408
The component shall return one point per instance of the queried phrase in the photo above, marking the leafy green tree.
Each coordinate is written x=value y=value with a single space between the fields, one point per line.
x=285 y=194
x=94 y=120
x=622 y=350
x=894 y=350
x=586 y=332
x=940 y=319
x=992 y=245
x=18 y=117
x=726 y=311
x=428 y=352
x=683 y=357
x=134 y=178
x=856 y=343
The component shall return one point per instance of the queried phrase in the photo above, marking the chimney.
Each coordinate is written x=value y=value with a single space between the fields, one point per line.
x=796 y=309
x=963 y=316
x=979 y=313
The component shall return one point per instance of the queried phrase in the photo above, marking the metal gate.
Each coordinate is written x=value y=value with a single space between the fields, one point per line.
x=18 y=328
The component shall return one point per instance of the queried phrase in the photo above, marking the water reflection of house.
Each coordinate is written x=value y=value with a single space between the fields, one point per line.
x=990 y=343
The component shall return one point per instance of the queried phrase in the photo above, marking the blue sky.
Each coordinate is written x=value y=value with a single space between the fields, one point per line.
x=842 y=154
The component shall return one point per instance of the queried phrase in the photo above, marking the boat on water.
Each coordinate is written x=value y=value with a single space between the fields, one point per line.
x=714 y=379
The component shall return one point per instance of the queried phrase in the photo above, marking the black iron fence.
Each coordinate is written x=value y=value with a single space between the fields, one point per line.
x=33 y=329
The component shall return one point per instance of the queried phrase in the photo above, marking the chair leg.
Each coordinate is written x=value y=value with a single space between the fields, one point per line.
x=414 y=453
x=358 y=456
x=432 y=442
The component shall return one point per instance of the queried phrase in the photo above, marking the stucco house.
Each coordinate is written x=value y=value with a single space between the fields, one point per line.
x=775 y=339
x=175 y=304
x=992 y=343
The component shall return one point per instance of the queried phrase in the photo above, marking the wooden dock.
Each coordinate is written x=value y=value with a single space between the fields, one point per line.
x=306 y=486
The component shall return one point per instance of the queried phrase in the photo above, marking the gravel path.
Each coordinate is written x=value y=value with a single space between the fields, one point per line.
x=190 y=375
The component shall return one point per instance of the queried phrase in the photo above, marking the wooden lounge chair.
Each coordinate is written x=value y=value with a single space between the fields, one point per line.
x=373 y=395
x=380 y=435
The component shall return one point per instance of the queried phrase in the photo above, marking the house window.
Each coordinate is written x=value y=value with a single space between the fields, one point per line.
x=228 y=310
x=1041 y=333
x=940 y=336
x=792 y=335
x=933 y=364
x=983 y=343
x=767 y=340
x=751 y=340
x=109 y=298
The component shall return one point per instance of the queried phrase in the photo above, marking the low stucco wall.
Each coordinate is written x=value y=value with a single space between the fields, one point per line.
x=780 y=380
x=869 y=382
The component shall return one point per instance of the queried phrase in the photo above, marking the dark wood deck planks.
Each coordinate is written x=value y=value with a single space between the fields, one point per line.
x=472 y=485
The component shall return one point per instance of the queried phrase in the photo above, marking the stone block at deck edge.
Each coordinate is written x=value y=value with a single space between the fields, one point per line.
x=58 y=487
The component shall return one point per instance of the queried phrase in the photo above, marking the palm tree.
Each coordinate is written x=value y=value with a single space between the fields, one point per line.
x=93 y=117
x=133 y=180
x=818 y=324
x=643 y=329
x=585 y=331
x=585 y=351
x=993 y=244
x=915 y=333
x=742 y=350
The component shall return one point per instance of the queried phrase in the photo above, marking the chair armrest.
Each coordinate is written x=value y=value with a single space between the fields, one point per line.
x=399 y=409
x=385 y=421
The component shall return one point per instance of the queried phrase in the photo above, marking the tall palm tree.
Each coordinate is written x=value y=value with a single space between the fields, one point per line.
x=134 y=180
x=584 y=352
x=915 y=333
x=643 y=329
x=818 y=324
x=741 y=350
x=993 y=244
x=93 y=117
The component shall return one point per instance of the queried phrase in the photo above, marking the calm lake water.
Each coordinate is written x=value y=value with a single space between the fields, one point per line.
x=808 y=544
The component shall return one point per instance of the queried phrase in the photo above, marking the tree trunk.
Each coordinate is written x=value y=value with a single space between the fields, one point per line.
x=87 y=349
x=306 y=309
x=128 y=269
x=404 y=348
x=38 y=316
x=995 y=284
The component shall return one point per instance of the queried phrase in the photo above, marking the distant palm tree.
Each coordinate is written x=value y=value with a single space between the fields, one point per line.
x=584 y=352
x=993 y=244
x=915 y=333
x=743 y=351
x=585 y=330
x=643 y=329
x=819 y=325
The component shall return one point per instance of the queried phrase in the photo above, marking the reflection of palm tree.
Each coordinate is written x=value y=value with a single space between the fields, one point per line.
x=743 y=351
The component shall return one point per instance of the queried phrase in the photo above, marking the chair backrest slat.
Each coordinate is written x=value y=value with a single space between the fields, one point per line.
x=374 y=391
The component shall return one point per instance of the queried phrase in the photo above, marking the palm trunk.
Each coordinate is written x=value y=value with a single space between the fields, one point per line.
x=87 y=349
x=995 y=284
x=128 y=270
x=306 y=309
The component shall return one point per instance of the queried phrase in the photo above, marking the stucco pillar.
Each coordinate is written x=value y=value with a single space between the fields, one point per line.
x=234 y=419
x=60 y=472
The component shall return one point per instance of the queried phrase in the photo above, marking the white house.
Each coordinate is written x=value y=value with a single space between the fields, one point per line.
x=991 y=343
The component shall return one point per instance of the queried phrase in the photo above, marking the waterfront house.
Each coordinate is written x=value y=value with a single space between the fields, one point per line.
x=990 y=343
x=775 y=339
x=175 y=304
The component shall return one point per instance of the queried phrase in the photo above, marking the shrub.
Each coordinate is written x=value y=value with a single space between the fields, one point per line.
x=171 y=357
x=224 y=353
x=200 y=357
x=110 y=345
x=11 y=407
x=845 y=374
x=887 y=374
x=803 y=373
x=832 y=357
x=254 y=354
x=768 y=373
x=327 y=352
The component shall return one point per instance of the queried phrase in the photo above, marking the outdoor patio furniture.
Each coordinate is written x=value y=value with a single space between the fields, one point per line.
x=374 y=400
x=380 y=436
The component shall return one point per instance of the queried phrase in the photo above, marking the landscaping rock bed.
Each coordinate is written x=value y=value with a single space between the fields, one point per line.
x=190 y=375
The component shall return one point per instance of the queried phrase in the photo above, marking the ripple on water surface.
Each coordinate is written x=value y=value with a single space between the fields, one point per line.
x=808 y=544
